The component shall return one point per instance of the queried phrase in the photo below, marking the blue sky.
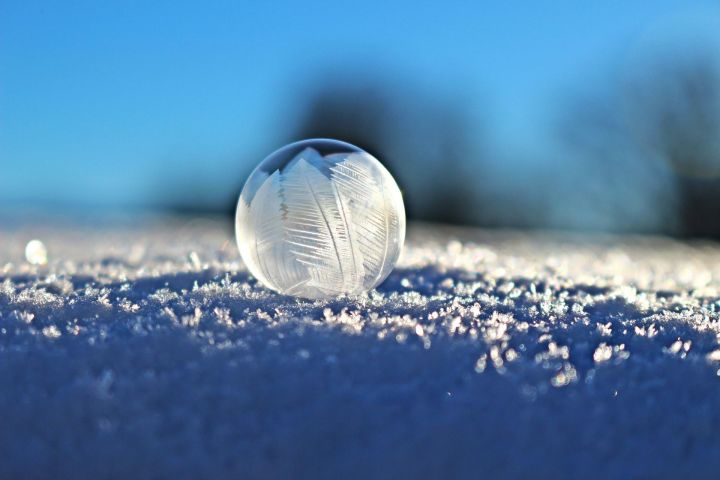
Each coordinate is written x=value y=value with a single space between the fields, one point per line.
x=101 y=99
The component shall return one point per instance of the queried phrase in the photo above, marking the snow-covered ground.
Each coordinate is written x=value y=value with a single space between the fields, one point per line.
x=147 y=351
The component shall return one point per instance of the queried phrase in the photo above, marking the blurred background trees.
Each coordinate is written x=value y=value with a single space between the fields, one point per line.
x=649 y=147
x=639 y=155
x=547 y=115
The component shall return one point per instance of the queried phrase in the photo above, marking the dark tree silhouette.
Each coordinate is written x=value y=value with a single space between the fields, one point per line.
x=421 y=139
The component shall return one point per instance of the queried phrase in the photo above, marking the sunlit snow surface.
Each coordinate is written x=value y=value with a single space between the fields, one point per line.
x=150 y=351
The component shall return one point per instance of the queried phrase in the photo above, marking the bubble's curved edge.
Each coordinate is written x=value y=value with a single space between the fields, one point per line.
x=259 y=175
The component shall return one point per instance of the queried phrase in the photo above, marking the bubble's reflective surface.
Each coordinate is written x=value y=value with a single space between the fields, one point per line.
x=319 y=218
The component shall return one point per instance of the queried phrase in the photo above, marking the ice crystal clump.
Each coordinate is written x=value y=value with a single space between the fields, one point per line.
x=319 y=218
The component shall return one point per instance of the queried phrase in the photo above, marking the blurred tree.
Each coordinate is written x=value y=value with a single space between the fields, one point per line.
x=605 y=179
x=676 y=110
x=647 y=153
x=423 y=140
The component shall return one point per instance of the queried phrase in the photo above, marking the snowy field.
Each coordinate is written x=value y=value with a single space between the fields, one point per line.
x=147 y=351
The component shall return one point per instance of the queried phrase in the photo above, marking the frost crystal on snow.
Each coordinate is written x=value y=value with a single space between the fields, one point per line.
x=320 y=218
x=36 y=252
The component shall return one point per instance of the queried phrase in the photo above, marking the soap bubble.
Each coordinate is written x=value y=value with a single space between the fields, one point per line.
x=320 y=218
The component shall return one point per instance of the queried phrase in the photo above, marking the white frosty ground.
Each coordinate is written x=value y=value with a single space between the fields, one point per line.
x=150 y=352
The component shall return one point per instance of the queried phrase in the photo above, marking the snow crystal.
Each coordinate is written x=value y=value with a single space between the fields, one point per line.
x=36 y=252
x=603 y=353
x=150 y=351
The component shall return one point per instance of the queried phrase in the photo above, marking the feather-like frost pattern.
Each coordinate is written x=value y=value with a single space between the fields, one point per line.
x=318 y=227
x=272 y=254
x=374 y=223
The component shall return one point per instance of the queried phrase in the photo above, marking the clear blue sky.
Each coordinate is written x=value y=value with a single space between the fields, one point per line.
x=100 y=99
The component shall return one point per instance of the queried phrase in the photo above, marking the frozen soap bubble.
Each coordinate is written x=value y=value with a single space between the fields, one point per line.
x=319 y=218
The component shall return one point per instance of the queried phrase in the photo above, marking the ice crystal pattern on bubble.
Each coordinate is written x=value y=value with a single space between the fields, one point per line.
x=321 y=226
